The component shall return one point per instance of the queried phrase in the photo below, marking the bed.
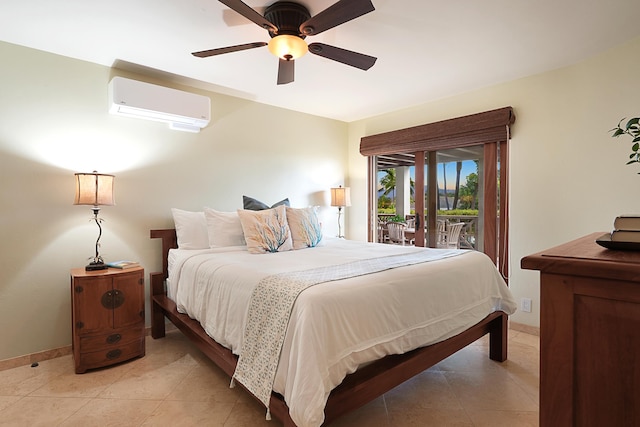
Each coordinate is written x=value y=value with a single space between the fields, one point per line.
x=359 y=376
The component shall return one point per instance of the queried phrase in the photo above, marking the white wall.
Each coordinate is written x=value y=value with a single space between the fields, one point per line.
x=568 y=176
x=54 y=121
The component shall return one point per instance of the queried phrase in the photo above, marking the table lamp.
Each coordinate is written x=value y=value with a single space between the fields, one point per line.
x=95 y=189
x=340 y=197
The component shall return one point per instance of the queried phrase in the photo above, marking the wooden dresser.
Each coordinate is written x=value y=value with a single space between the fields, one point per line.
x=589 y=334
x=107 y=316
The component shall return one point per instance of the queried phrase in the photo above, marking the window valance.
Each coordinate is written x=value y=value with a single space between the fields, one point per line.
x=480 y=128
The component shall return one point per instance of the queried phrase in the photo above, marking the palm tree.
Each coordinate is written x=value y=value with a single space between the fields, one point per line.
x=444 y=174
x=388 y=182
x=456 y=194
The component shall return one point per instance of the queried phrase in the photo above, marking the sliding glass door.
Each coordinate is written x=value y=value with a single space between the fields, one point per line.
x=459 y=169
x=402 y=192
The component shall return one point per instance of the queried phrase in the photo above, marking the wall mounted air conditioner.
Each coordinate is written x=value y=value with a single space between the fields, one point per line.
x=182 y=110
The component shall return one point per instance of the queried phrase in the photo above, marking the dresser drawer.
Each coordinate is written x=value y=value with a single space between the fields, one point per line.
x=113 y=354
x=114 y=338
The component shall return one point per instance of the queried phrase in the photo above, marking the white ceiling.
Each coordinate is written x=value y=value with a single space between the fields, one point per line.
x=426 y=49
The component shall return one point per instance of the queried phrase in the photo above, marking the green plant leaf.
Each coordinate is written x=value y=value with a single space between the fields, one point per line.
x=633 y=121
x=617 y=132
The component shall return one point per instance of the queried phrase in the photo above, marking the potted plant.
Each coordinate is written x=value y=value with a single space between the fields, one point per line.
x=631 y=128
x=397 y=218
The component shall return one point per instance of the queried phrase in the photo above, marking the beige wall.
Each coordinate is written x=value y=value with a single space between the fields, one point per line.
x=568 y=176
x=54 y=121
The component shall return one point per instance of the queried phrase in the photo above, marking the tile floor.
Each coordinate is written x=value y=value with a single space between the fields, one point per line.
x=175 y=385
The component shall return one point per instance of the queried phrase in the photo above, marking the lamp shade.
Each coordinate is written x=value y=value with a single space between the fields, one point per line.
x=341 y=196
x=94 y=189
x=288 y=47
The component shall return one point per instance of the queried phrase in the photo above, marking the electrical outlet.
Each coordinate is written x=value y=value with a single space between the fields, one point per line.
x=525 y=305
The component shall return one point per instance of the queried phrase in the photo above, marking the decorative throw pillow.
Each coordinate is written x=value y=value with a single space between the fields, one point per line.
x=256 y=205
x=223 y=228
x=191 y=229
x=266 y=231
x=306 y=231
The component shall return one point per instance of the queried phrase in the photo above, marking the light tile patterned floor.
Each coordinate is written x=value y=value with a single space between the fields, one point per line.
x=175 y=385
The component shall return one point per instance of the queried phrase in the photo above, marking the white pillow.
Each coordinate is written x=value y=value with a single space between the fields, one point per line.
x=223 y=228
x=191 y=229
x=266 y=231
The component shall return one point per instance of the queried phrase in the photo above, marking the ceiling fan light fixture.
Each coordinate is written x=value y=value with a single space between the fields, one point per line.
x=288 y=47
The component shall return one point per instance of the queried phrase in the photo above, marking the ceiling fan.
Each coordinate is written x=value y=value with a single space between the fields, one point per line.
x=289 y=23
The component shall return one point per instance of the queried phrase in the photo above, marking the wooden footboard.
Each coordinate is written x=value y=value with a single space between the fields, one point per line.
x=358 y=388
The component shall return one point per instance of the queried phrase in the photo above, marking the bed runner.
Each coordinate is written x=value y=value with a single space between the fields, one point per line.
x=271 y=305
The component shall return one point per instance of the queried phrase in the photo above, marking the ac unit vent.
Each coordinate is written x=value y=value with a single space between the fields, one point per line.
x=182 y=110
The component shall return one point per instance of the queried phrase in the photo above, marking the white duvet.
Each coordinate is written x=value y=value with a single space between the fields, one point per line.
x=337 y=326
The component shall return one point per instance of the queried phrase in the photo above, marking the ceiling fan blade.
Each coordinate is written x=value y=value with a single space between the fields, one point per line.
x=285 y=71
x=334 y=15
x=355 y=59
x=233 y=18
x=228 y=49
x=249 y=13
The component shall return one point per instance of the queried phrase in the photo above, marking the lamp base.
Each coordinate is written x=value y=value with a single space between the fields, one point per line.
x=93 y=266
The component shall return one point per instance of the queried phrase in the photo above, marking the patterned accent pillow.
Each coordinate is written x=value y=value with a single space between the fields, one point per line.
x=306 y=230
x=266 y=231
x=256 y=205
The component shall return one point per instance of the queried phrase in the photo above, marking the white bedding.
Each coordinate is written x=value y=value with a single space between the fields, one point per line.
x=337 y=326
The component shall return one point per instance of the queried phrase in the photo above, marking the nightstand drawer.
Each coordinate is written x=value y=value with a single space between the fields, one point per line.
x=114 y=338
x=113 y=354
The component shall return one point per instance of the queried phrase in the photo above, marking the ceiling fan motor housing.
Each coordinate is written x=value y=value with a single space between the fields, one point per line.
x=287 y=16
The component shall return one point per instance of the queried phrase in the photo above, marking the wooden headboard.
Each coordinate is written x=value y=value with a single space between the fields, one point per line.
x=169 y=241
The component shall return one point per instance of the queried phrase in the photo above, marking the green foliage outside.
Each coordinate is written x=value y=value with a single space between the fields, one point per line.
x=457 y=212
x=452 y=212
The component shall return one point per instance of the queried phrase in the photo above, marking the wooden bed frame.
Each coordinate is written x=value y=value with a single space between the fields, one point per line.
x=358 y=388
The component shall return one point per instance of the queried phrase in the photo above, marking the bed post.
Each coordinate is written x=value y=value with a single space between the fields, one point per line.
x=157 y=315
x=498 y=333
x=156 y=280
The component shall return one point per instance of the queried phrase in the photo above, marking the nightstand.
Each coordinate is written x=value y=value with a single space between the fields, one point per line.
x=107 y=316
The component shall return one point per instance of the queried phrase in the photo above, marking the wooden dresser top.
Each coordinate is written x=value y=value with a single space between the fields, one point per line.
x=584 y=257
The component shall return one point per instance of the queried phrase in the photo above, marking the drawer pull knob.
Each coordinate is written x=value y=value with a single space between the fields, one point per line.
x=112 y=339
x=114 y=354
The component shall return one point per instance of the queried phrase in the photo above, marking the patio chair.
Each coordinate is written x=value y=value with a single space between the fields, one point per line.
x=396 y=232
x=383 y=232
x=450 y=238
